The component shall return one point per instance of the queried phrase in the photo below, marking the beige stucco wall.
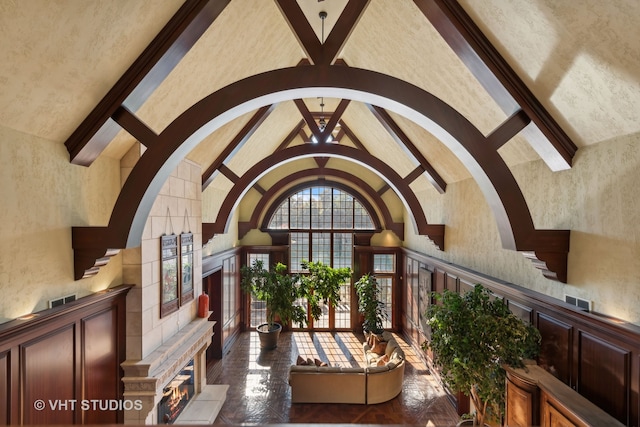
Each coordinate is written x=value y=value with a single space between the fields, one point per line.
x=597 y=200
x=43 y=196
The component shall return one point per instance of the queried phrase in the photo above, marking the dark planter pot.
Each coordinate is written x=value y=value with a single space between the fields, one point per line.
x=269 y=337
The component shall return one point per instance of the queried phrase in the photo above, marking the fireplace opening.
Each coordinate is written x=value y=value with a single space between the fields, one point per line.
x=176 y=395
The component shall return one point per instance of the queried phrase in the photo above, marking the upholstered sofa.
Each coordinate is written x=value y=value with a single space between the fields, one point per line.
x=379 y=381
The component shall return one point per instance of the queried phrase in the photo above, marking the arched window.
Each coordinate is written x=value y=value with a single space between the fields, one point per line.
x=324 y=208
x=321 y=221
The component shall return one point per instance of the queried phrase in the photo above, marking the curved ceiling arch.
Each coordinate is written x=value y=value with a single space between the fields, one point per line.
x=283 y=188
x=435 y=232
x=499 y=187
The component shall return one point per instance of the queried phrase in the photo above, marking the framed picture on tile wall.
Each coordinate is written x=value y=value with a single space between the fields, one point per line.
x=169 y=286
x=186 y=267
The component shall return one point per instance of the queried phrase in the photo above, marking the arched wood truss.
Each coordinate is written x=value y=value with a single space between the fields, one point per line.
x=268 y=203
x=547 y=248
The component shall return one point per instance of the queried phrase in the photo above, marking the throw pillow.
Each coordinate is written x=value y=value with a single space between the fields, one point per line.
x=373 y=340
x=310 y=361
x=379 y=348
x=319 y=362
x=383 y=360
x=300 y=361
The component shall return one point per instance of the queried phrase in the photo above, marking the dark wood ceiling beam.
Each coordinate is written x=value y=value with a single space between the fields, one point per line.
x=296 y=131
x=508 y=129
x=317 y=52
x=343 y=28
x=136 y=127
x=404 y=141
x=434 y=232
x=352 y=136
x=334 y=119
x=228 y=173
x=413 y=175
x=308 y=117
x=146 y=73
x=457 y=28
x=237 y=142
x=303 y=135
x=234 y=178
x=339 y=135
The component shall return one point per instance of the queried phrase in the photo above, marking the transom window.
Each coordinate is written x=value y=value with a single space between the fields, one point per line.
x=321 y=208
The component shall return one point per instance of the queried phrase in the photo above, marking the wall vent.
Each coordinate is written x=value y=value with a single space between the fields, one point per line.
x=61 y=301
x=582 y=304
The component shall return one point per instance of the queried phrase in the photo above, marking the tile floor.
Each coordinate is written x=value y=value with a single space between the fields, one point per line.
x=259 y=392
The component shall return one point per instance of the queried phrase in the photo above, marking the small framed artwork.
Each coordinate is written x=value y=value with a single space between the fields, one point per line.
x=169 y=286
x=186 y=267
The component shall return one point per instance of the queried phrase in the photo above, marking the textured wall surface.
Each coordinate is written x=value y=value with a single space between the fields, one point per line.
x=597 y=200
x=43 y=196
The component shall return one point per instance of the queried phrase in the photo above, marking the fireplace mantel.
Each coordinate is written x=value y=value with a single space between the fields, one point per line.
x=145 y=379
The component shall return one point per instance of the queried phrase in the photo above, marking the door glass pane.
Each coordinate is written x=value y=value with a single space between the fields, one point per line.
x=386 y=296
x=258 y=314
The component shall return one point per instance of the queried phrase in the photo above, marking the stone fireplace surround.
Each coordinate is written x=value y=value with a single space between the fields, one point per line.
x=145 y=379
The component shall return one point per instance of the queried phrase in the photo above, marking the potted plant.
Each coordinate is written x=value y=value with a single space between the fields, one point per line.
x=369 y=304
x=472 y=337
x=279 y=291
x=322 y=284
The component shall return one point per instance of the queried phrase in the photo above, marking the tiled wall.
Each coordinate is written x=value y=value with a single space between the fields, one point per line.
x=177 y=209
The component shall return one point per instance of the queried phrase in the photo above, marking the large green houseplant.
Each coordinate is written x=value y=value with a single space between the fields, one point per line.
x=322 y=285
x=473 y=336
x=369 y=304
x=280 y=292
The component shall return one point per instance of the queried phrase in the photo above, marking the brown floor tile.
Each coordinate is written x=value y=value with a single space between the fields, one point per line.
x=259 y=392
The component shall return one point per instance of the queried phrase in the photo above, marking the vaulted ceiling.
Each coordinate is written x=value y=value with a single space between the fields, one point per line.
x=417 y=94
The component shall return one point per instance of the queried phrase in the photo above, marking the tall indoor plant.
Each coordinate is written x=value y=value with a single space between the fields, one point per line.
x=369 y=304
x=473 y=336
x=279 y=291
x=322 y=285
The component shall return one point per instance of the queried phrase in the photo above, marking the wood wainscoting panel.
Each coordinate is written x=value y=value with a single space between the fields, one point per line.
x=101 y=365
x=607 y=386
x=49 y=378
x=451 y=282
x=556 y=350
x=523 y=312
x=439 y=281
x=465 y=286
x=5 y=388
